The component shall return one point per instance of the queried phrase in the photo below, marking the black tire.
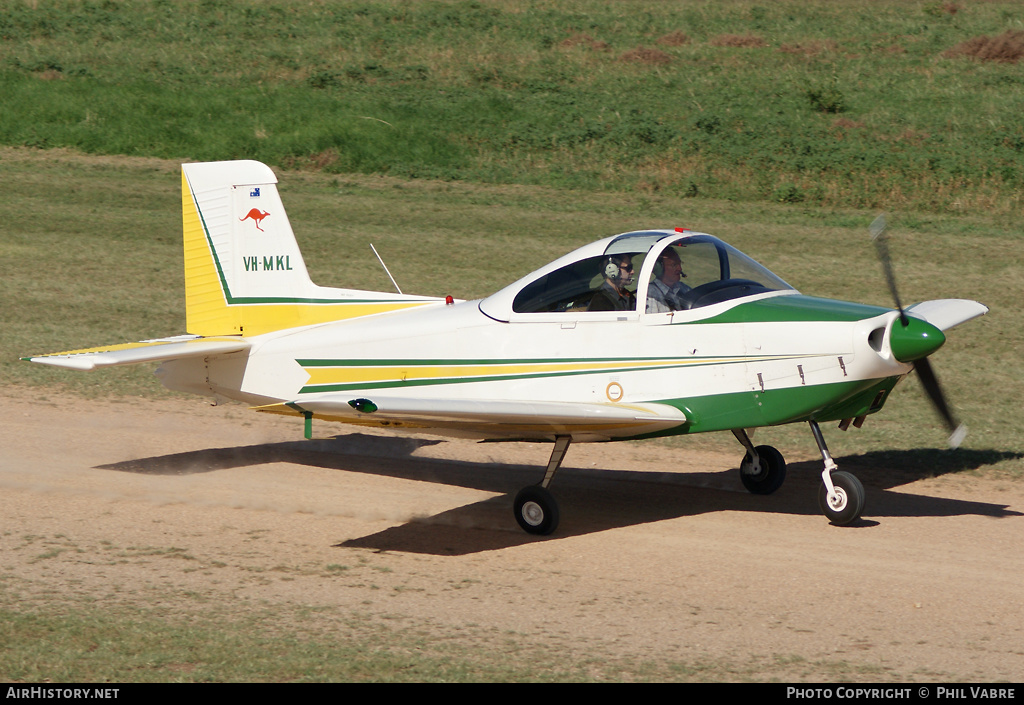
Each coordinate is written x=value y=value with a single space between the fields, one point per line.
x=849 y=503
x=771 y=475
x=536 y=510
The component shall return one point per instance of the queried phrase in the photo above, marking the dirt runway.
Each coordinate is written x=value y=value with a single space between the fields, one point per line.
x=660 y=555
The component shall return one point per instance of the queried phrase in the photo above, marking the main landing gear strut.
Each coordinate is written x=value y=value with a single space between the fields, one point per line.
x=535 y=507
x=763 y=470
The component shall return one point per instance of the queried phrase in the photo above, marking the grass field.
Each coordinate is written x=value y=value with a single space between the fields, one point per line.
x=896 y=105
x=84 y=643
x=462 y=131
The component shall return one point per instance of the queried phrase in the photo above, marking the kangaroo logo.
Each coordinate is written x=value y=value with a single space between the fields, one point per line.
x=257 y=216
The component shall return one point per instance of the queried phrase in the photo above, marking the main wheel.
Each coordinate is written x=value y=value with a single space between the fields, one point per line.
x=846 y=507
x=769 y=477
x=536 y=510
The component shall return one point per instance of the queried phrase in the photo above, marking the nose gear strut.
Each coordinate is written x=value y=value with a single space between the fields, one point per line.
x=841 y=496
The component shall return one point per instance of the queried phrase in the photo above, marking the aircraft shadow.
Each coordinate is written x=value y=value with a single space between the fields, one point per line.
x=591 y=500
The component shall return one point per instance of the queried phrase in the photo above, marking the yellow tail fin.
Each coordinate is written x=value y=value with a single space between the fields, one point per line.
x=244 y=274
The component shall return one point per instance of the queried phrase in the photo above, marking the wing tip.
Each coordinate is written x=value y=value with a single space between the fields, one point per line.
x=74 y=362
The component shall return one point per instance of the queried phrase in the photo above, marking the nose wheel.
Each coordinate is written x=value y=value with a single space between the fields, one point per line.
x=841 y=495
x=846 y=502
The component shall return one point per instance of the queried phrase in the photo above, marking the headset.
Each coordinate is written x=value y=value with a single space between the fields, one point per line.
x=659 y=266
x=611 y=266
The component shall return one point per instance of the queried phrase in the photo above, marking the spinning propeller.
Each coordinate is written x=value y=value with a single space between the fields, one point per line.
x=914 y=340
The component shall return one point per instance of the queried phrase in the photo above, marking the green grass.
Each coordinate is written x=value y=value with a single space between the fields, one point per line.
x=852 y=104
x=74 y=642
x=138 y=645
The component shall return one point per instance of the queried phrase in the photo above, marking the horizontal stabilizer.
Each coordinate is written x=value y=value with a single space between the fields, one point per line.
x=947 y=313
x=157 y=350
x=491 y=418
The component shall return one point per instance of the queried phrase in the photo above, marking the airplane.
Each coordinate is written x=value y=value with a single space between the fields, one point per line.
x=737 y=349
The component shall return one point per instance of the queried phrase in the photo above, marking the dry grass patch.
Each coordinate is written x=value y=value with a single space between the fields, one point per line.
x=739 y=40
x=842 y=126
x=674 y=39
x=811 y=48
x=644 y=55
x=583 y=39
x=893 y=50
x=1007 y=48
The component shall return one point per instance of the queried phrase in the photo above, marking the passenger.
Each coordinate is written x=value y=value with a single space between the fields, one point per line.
x=665 y=292
x=612 y=295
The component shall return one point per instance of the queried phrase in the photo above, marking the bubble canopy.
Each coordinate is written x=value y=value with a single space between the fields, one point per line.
x=654 y=272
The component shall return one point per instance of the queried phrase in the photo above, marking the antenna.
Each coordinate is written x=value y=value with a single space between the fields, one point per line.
x=385 y=268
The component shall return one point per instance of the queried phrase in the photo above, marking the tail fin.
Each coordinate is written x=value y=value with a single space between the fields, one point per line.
x=244 y=274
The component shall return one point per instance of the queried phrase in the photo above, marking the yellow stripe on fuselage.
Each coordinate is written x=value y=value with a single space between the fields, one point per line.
x=361 y=374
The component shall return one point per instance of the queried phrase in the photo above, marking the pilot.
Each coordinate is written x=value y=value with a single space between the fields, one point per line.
x=612 y=295
x=665 y=292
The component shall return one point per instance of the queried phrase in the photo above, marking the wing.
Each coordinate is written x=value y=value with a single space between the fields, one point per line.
x=946 y=313
x=156 y=350
x=495 y=419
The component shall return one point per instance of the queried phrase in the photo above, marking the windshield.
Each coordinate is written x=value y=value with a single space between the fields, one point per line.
x=700 y=270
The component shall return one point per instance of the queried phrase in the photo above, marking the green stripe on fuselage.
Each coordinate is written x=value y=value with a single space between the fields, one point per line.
x=820 y=402
x=794 y=308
